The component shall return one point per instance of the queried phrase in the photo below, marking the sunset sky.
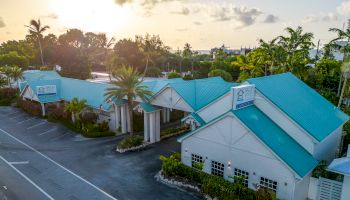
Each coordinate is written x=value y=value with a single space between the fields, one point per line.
x=202 y=23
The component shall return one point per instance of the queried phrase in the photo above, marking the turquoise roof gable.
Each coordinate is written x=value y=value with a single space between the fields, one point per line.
x=301 y=103
x=285 y=147
x=46 y=98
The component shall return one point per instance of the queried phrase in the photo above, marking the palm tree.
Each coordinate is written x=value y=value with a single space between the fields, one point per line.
x=345 y=70
x=75 y=106
x=342 y=35
x=6 y=70
x=129 y=85
x=36 y=29
x=16 y=73
x=271 y=50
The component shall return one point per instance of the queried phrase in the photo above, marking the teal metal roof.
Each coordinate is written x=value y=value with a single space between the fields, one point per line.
x=40 y=75
x=285 y=147
x=196 y=117
x=149 y=107
x=301 y=103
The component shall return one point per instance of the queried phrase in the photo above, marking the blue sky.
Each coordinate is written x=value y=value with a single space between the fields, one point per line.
x=202 y=23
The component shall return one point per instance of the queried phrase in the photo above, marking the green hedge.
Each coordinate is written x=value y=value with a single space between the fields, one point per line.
x=173 y=130
x=130 y=141
x=213 y=186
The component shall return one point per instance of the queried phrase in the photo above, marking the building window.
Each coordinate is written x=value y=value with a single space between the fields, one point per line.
x=197 y=161
x=243 y=174
x=217 y=168
x=269 y=184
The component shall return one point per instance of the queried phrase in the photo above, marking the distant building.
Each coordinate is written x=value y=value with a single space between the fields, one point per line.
x=230 y=52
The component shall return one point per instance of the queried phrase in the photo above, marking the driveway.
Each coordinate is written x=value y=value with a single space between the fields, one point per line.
x=43 y=160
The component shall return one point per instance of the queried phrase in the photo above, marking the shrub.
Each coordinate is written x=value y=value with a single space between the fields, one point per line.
x=103 y=126
x=173 y=130
x=7 y=96
x=31 y=107
x=174 y=75
x=214 y=186
x=222 y=73
x=56 y=114
x=130 y=141
x=153 y=72
x=188 y=77
x=88 y=117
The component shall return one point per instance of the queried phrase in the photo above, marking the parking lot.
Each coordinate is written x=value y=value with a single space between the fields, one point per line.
x=43 y=160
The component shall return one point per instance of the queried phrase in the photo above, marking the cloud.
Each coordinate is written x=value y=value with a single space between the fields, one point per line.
x=271 y=19
x=344 y=8
x=184 y=11
x=244 y=15
x=182 y=29
x=322 y=17
x=147 y=4
x=197 y=23
x=50 y=16
x=122 y=2
x=2 y=23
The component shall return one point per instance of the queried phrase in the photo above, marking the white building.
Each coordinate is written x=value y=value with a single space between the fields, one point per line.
x=273 y=130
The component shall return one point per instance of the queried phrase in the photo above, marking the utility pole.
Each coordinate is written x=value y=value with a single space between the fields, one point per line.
x=317 y=49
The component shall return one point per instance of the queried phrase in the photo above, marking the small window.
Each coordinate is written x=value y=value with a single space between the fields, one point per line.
x=244 y=174
x=269 y=184
x=197 y=161
x=217 y=168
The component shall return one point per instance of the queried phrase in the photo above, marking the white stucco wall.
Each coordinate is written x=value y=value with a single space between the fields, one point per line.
x=217 y=108
x=302 y=188
x=297 y=133
x=345 y=195
x=327 y=149
x=313 y=188
x=228 y=141
x=169 y=98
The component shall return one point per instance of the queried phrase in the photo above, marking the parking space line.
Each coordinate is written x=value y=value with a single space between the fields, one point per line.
x=48 y=131
x=28 y=179
x=19 y=163
x=25 y=120
x=41 y=123
x=59 y=165
x=20 y=115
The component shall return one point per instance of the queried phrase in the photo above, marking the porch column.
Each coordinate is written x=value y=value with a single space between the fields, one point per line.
x=168 y=115
x=157 y=125
x=164 y=115
x=152 y=127
x=146 y=122
x=117 y=116
x=43 y=109
x=123 y=119
x=127 y=118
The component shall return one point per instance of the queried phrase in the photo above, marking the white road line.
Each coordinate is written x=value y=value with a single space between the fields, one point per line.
x=54 y=162
x=41 y=123
x=28 y=179
x=25 y=120
x=19 y=163
x=20 y=115
x=48 y=131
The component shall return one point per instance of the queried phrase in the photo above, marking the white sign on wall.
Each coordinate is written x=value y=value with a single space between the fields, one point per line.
x=46 y=90
x=243 y=96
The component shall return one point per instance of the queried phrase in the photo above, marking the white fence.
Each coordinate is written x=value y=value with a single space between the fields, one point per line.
x=329 y=189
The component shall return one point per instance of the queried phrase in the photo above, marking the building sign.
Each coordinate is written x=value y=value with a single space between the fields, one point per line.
x=243 y=96
x=46 y=90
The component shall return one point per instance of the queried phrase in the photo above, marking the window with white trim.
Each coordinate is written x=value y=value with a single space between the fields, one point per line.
x=268 y=183
x=217 y=168
x=196 y=159
x=242 y=173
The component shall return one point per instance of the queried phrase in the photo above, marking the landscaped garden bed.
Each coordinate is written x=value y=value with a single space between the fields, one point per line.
x=131 y=143
x=8 y=96
x=173 y=131
x=178 y=174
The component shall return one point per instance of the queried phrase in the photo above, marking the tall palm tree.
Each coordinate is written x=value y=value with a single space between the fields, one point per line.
x=271 y=50
x=342 y=35
x=129 y=85
x=37 y=29
x=6 y=70
x=345 y=70
x=75 y=107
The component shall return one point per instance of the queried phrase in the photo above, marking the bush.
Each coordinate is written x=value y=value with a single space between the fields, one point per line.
x=7 y=96
x=103 y=126
x=31 y=107
x=88 y=117
x=222 y=73
x=173 y=130
x=214 y=186
x=174 y=75
x=55 y=114
x=130 y=141
x=153 y=72
x=188 y=77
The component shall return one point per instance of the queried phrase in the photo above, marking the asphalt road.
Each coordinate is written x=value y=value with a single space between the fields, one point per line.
x=43 y=160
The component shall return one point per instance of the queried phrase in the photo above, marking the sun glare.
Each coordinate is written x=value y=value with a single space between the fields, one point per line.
x=92 y=15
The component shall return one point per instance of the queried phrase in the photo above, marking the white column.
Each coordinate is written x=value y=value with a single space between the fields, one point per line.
x=123 y=119
x=168 y=114
x=127 y=117
x=152 y=127
x=164 y=115
x=43 y=109
x=146 y=123
x=157 y=125
x=117 y=117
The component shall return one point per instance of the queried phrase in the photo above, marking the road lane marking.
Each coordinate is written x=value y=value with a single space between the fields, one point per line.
x=25 y=120
x=28 y=179
x=41 y=123
x=59 y=165
x=48 y=131
x=19 y=163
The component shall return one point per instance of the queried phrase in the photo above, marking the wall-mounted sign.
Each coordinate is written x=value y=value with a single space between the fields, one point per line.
x=243 y=96
x=46 y=90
